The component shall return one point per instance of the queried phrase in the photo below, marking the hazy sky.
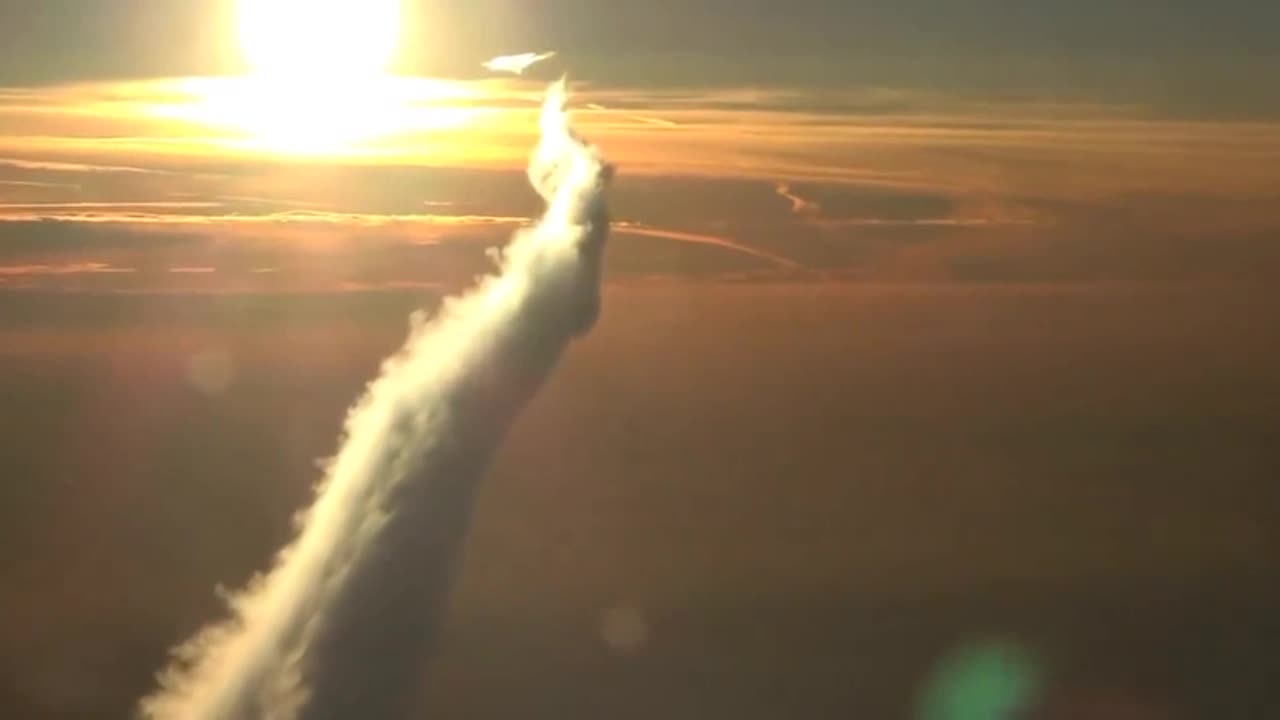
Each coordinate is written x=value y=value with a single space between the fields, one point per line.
x=901 y=297
x=816 y=141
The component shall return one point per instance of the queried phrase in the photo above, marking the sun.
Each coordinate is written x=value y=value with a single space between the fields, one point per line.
x=319 y=40
x=320 y=83
x=318 y=77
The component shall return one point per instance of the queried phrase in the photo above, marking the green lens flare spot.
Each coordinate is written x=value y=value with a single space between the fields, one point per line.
x=981 y=681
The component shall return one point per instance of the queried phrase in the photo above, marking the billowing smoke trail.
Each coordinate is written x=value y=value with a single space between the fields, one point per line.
x=343 y=624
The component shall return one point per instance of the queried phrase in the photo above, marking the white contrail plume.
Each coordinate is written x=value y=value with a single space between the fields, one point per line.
x=517 y=64
x=343 y=625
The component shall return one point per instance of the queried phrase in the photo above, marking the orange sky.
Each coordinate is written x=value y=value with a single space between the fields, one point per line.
x=149 y=176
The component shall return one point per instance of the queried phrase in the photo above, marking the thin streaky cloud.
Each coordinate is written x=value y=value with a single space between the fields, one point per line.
x=956 y=222
x=74 y=167
x=38 y=184
x=655 y=121
x=641 y=230
x=1038 y=149
x=1034 y=151
x=76 y=268
x=63 y=213
x=123 y=206
x=642 y=119
x=279 y=202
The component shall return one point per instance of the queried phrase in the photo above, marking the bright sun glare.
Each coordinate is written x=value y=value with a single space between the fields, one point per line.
x=319 y=79
x=301 y=40
x=319 y=83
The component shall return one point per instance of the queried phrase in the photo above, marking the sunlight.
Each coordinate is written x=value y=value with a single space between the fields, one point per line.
x=309 y=39
x=336 y=118
x=318 y=82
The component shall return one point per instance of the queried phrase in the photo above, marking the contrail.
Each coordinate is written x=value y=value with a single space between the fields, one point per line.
x=623 y=227
x=343 y=625
x=516 y=64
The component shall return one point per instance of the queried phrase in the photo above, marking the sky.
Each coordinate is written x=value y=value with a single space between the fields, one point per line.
x=922 y=320
x=904 y=142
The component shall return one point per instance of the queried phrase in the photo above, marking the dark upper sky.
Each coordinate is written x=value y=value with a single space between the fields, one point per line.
x=1178 y=44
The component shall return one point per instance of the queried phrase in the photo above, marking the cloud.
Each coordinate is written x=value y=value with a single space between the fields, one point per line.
x=79 y=268
x=799 y=205
x=71 y=167
x=139 y=214
x=642 y=119
x=909 y=140
x=37 y=184
x=866 y=177
x=630 y=228
x=37 y=210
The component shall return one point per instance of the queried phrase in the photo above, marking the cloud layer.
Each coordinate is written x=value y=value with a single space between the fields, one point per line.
x=788 y=184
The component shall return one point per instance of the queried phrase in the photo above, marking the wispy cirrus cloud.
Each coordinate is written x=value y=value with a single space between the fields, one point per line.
x=880 y=138
x=79 y=268
x=854 y=181
x=143 y=213
x=19 y=209
x=625 y=228
x=69 y=167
